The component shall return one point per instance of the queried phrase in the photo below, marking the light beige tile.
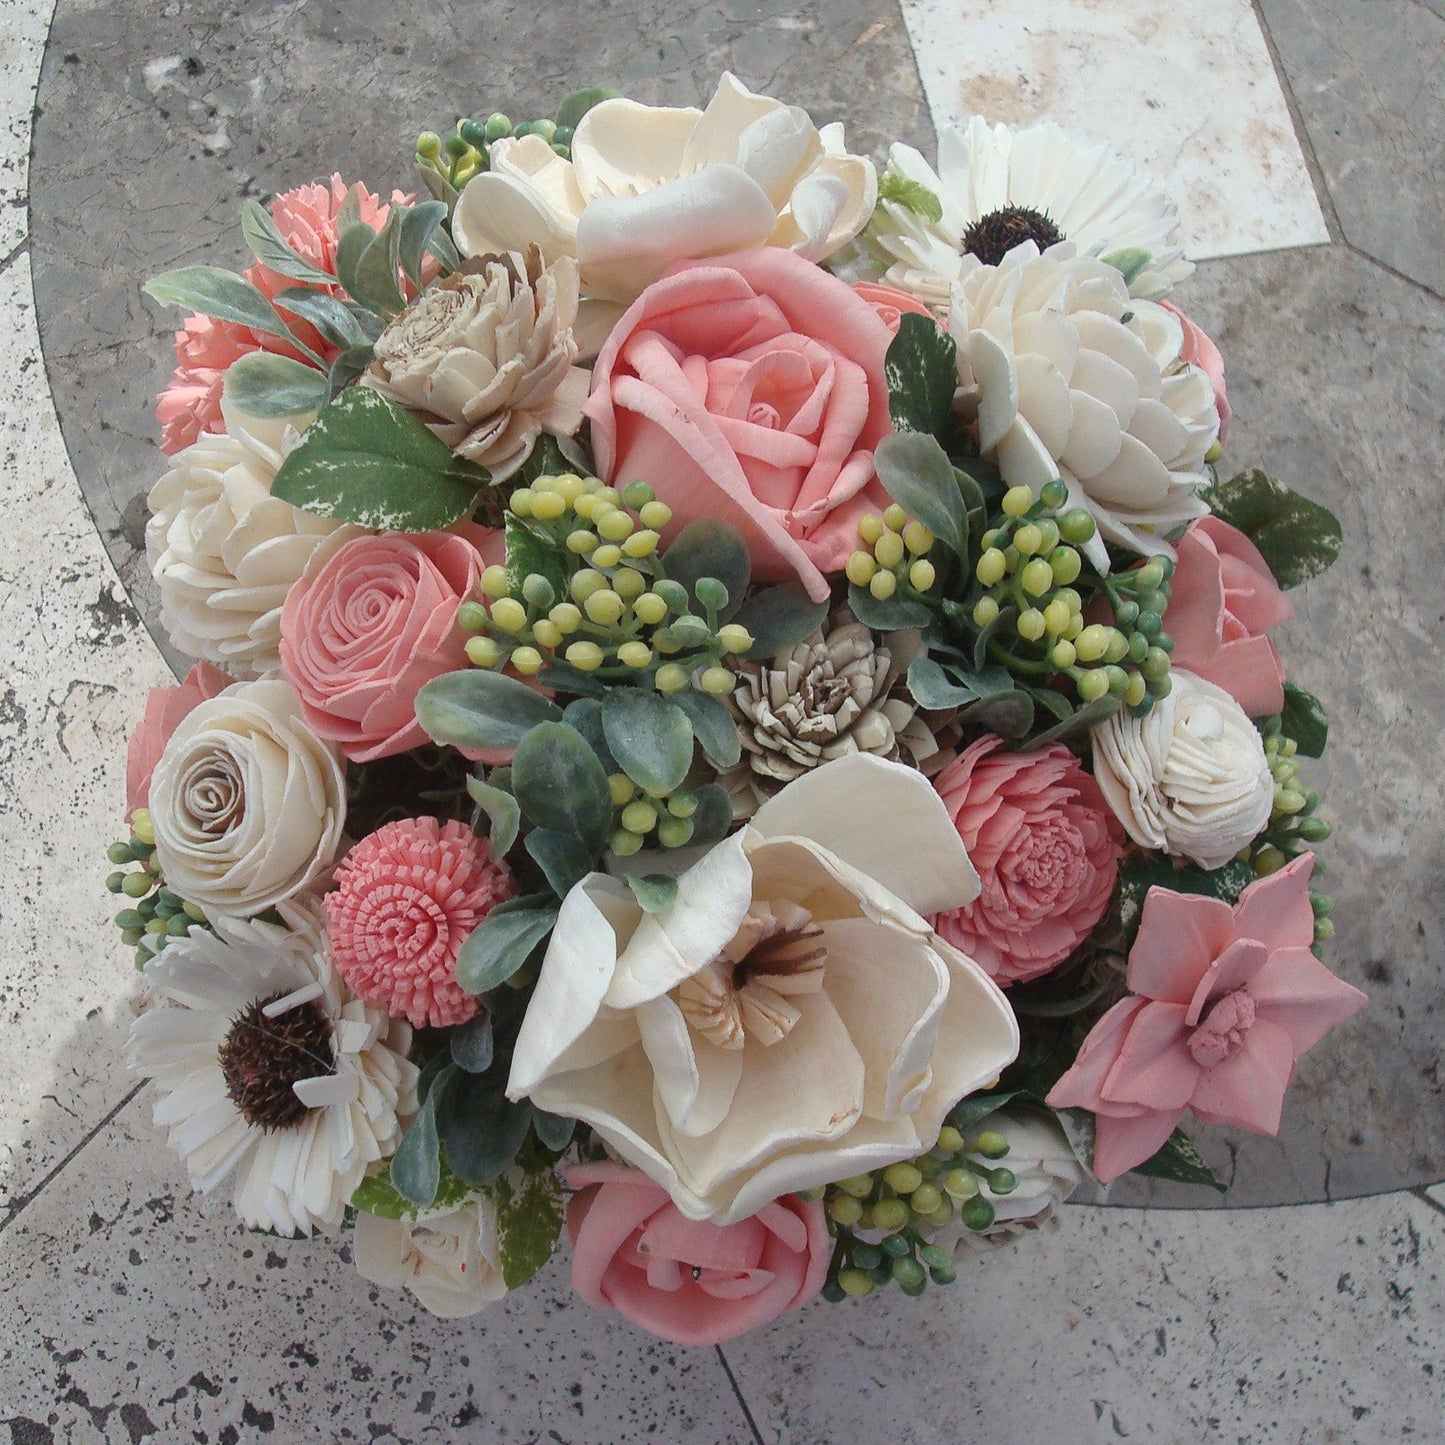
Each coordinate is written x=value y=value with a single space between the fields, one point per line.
x=23 y=27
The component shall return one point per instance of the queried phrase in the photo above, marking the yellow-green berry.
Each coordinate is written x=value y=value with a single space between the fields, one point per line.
x=1037 y=577
x=1017 y=501
x=860 y=568
x=870 y=529
x=547 y=506
x=904 y=1178
x=1066 y=564
x=917 y=538
x=950 y=1141
x=674 y=832
x=604 y=607
x=143 y=826
x=527 y=661
x=734 y=637
x=628 y=583
x=565 y=617
x=639 y=817
x=991 y=567
x=546 y=633
x=609 y=554
x=622 y=789
x=717 y=681
x=581 y=542
x=1028 y=539
x=655 y=515
x=895 y=518
x=889 y=549
x=855 y=1282
x=1056 y=616
x=483 y=652
x=1030 y=624
x=985 y=611
x=509 y=614
x=883 y=585
x=671 y=677
x=890 y=1214
x=1092 y=642
x=634 y=654
x=641 y=544
x=585 y=656
x=520 y=502
x=584 y=583
x=1093 y=685
x=615 y=526
x=495 y=583
x=921 y=575
x=625 y=843
x=650 y=608
x=845 y=1210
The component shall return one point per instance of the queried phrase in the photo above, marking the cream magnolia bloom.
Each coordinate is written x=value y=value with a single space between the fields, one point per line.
x=223 y=550
x=648 y=185
x=791 y=1018
x=1191 y=778
x=248 y=804
x=448 y=1258
x=1072 y=378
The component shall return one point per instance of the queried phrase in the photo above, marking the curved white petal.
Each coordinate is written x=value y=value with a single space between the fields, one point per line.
x=495 y=214
x=622 y=147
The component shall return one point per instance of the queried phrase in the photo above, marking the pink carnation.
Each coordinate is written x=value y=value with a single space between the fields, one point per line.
x=1046 y=848
x=164 y=710
x=406 y=898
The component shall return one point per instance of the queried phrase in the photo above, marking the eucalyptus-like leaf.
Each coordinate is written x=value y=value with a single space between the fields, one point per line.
x=584 y=715
x=473 y=1046
x=272 y=250
x=503 y=814
x=353 y=237
x=225 y=297
x=650 y=736
x=892 y=614
x=654 y=891
x=481 y=1129
x=1078 y=721
x=500 y=944
x=376 y=269
x=346 y=368
x=416 y=1167
x=564 y=860
x=576 y=105
x=934 y=687
x=332 y=317
x=418 y=226
x=916 y=473
x=709 y=548
x=1010 y=714
x=559 y=782
x=263 y=384
x=713 y=820
x=779 y=617
x=553 y=1131
x=712 y=726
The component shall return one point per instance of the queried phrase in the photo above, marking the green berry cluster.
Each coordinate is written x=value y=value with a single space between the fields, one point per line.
x=617 y=614
x=894 y=557
x=904 y=1202
x=156 y=915
x=468 y=150
x=640 y=814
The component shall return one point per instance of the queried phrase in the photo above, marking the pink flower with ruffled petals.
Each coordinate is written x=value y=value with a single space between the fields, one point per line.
x=687 y=1280
x=164 y=710
x=406 y=898
x=1224 y=1001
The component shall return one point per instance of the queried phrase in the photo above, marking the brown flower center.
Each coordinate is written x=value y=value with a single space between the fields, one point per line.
x=261 y=1058
x=993 y=236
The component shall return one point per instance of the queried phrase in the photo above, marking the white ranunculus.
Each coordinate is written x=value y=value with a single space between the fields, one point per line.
x=1191 y=777
x=648 y=185
x=1070 y=377
x=791 y=1018
x=448 y=1258
x=248 y=804
x=223 y=550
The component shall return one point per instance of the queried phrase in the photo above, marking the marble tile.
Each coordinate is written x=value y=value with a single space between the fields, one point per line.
x=1187 y=91
x=22 y=39
x=1366 y=75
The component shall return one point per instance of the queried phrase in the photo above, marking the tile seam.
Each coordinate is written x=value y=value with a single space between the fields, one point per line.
x=742 y=1402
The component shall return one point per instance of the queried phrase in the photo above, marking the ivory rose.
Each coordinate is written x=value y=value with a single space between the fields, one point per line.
x=686 y=1280
x=750 y=390
x=165 y=708
x=790 y=1018
x=448 y=1258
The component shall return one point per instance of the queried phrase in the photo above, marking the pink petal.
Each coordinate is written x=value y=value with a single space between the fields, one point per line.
x=1082 y=1086
x=1121 y=1144
x=600 y=1220
x=1180 y=935
x=1231 y=970
x=1246 y=1091
x=1298 y=993
x=1276 y=910
x=1154 y=1067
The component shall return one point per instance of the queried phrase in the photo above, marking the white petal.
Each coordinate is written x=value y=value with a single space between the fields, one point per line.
x=622 y=147
x=1094 y=437
x=496 y=214
x=1024 y=460
x=998 y=404
x=716 y=131
x=695 y=1081
x=1044 y=400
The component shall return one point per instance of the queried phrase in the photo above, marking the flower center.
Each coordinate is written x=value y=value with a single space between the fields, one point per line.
x=746 y=992
x=993 y=236
x=1220 y=1033
x=262 y=1056
x=213 y=793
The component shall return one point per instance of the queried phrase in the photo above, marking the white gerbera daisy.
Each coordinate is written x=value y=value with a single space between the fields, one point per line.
x=998 y=188
x=268 y=1068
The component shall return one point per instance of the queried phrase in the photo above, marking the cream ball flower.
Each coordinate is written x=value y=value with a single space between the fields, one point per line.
x=648 y=185
x=1191 y=777
x=248 y=804
x=485 y=357
x=224 y=551
x=997 y=187
x=790 y=1018
x=1069 y=377
x=269 y=1071
x=448 y=1258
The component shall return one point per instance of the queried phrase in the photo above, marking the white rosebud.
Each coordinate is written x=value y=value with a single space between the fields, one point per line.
x=1190 y=778
x=448 y=1258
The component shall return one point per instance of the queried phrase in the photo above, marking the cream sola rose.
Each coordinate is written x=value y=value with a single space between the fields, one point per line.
x=791 y=1018
x=450 y=1259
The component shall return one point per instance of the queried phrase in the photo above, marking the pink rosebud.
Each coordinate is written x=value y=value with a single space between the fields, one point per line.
x=1223 y=598
x=686 y=1280
x=1224 y=1000
x=406 y=898
x=1046 y=847
x=164 y=710
x=1200 y=351
x=891 y=304
x=369 y=624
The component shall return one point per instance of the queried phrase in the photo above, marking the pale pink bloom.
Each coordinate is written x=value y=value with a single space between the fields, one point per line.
x=1223 y=1001
x=1200 y=351
x=687 y=1280
x=891 y=304
x=164 y=710
x=1046 y=848
x=406 y=898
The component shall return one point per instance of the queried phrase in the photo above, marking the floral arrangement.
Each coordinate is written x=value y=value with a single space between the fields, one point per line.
x=736 y=717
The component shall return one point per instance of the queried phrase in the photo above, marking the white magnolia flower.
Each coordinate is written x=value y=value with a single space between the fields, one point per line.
x=648 y=185
x=1071 y=378
x=223 y=550
x=448 y=1258
x=999 y=186
x=248 y=804
x=791 y=1018
x=1191 y=777
x=267 y=1068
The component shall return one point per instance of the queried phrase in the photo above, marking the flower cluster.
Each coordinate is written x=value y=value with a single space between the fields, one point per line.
x=735 y=713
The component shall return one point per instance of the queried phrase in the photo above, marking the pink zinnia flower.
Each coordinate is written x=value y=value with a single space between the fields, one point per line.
x=1046 y=847
x=165 y=708
x=406 y=898
x=1225 y=1000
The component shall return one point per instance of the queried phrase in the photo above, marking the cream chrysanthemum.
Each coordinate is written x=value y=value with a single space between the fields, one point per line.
x=994 y=184
x=268 y=1069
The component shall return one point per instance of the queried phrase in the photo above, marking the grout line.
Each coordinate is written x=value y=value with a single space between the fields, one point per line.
x=19 y=248
x=1424 y=1197
x=747 y=1413
x=20 y=1202
x=1389 y=270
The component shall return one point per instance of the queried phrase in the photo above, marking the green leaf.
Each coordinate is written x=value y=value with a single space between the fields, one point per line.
x=933 y=687
x=917 y=474
x=714 y=817
x=576 y=105
x=1078 y=721
x=563 y=859
x=441 y=246
x=921 y=369
x=1297 y=537
x=271 y=249
x=500 y=944
x=502 y=812
x=529 y=1224
x=1180 y=1160
x=712 y=726
x=1080 y=1129
x=267 y=385
x=346 y=368
x=584 y=715
x=219 y=294
x=472 y=1044
x=560 y=784
x=553 y=1131
x=473 y=708
x=1304 y=720
x=561 y=677
x=709 y=548
x=416 y=1169
x=354 y=236
x=1010 y=715
x=418 y=226
x=912 y=194
x=334 y=319
x=967 y=1114
x=1138 y=875
x=376 y=269
x=481 y=1129
x=779 y=617
x=376 y=1194
x=1129 y=261
x=891 y=615
x=654 y=891
x=650 y=736
x=367 y=460
x=531 y=552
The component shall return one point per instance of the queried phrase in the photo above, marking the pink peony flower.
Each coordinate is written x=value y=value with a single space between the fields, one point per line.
x=368 y=624
x=1202 y=352
x=686 y=1280
x=891 y=304
x=750 y=388
x=1046 y=848
x=165 y=707
x=406 y=898
x=1224 y=1001
x=1223 y=598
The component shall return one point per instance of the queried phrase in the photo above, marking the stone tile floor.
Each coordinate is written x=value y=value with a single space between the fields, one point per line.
x=131 y=1313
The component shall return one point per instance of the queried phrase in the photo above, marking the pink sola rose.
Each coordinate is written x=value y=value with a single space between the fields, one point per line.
x=750 y=388
x=406 y=898
x=1222 y=599
x=892 y=305
x=165 y=708
x=1200 y=351
x=1046 y=847
x=367 y=625
x=686 y=1280
x=1225 y=1000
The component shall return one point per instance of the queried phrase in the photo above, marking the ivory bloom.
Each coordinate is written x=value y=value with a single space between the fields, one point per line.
x=448 y=1258
x=791 y=1018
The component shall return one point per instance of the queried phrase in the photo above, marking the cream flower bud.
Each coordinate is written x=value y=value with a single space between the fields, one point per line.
x=448 y=1258
x=1191 y=777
